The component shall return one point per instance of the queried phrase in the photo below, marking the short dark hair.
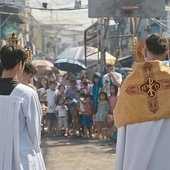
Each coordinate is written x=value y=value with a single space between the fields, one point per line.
x=73 y=81
x=88 y=95
x=157 y=44
x=61 y=86
x=11 y=56
x=68 y=98
x=30 y=68
x=52 y=82
x=78 y=91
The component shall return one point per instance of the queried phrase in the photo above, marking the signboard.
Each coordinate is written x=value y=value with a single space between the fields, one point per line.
x=91 y=39
x=112 y=8
x=8 y=30
x=90 y=35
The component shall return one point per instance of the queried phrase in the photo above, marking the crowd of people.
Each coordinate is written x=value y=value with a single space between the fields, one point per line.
x=79 y=107
x=85 y=108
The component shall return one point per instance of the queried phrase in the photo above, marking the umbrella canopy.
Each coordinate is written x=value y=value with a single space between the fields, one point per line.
x=43 y=65
x=69 y=65
x=75 y=56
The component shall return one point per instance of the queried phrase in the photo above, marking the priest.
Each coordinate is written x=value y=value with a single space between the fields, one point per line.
x=20 y=115
x=142 y=113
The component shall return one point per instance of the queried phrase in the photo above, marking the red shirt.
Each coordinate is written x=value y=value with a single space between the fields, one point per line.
x=88 y=107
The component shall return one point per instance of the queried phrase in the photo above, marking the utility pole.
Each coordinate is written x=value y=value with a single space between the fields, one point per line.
x=102 y=45
x=104 y=22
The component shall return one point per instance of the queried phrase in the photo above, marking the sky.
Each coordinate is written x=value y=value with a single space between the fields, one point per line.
x=77 y=19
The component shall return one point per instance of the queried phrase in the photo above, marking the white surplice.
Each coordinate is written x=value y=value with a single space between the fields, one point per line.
x=144 y=146
x=26 y=152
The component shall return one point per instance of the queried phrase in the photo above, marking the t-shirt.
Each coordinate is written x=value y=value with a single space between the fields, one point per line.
x=62 y=110
x=42 y=91
x=50 y=100
x=71 y=92
x=107 y=80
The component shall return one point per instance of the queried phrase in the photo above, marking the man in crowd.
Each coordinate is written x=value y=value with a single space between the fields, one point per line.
x=111 y=78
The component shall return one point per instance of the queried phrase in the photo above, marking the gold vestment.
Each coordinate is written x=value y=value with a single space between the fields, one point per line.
x=144 y=95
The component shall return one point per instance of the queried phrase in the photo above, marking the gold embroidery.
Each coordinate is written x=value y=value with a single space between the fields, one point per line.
x=150 y=87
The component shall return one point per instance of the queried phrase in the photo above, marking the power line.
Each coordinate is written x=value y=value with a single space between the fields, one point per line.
x=47 y=9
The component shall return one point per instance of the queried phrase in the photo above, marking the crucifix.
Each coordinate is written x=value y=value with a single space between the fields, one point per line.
x=148 y=29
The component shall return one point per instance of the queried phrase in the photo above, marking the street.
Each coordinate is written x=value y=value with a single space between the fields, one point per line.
x=67 y=153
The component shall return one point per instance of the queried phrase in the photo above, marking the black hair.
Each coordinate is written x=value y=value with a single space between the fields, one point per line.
x=105 y=94
x=11 y=56
x=68 y=98
x=73 y=81
x=39 y=82
x=156 y=44
x=88 y=95
x=61 y=86
x=78 y=91
x=52 y=82
x=59 y=98
x=115 y=87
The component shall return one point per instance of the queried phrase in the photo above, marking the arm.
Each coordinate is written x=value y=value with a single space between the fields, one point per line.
x=117 y=81
x=32 y=111
x=107 y=107
x=56 y=112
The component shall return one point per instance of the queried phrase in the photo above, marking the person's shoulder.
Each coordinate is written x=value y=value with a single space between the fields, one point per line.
x=66 y=107
x=24 y=91
x=106 y=75
x=119 y=74
x=48 y=90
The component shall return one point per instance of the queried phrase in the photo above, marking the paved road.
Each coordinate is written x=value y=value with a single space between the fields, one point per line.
x=67 y=153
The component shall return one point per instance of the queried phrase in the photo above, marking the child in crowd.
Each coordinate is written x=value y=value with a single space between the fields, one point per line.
x=110 y=130
x=61 y=92
x=80 y=108
x=50 y=116
x=42 y=87
x=88 y=115
x=71 y=90
x=71 y=105
x=102 y=112
x=44 y=112
x=96 y=89
x=113 y=97
x=75 y=114
x=61 y=112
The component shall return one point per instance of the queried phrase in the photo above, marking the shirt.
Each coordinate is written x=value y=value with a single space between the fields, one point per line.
x=62 y=110
x=107 y=78
x=50 y=100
